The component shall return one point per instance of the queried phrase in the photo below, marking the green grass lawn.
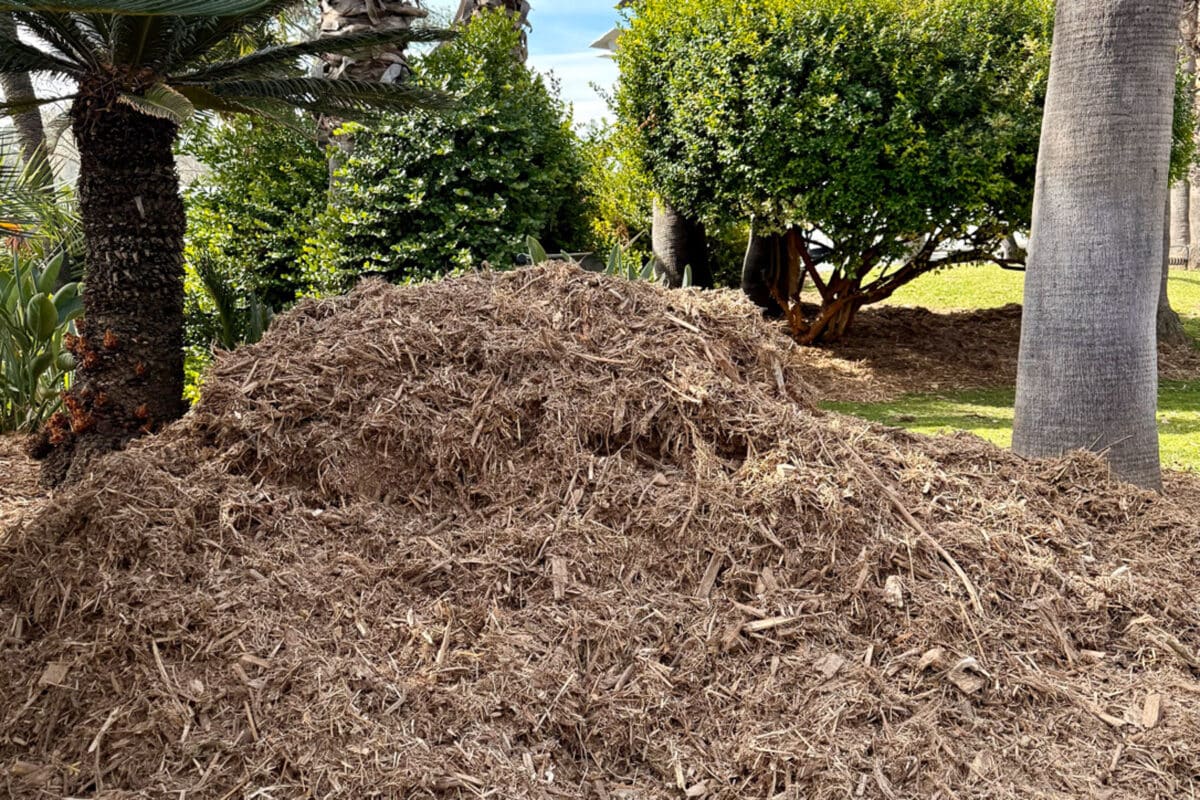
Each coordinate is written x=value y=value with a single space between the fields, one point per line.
x=989 y=413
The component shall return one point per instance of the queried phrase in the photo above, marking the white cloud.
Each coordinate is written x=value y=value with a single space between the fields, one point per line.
x=577 y=72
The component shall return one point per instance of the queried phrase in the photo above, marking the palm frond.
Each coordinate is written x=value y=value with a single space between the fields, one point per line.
x=209 y=32
x=162 y=102
x=16 y=56
x=65 y=34
x=161 y=8
x=18 y=106
x=269 y=59
x=349 y=99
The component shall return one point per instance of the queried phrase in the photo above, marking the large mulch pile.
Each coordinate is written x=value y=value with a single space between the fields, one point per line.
x=894 y=350
x=548 y=534
x=19 y=491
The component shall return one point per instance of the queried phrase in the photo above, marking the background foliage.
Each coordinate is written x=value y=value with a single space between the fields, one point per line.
x=426 y=193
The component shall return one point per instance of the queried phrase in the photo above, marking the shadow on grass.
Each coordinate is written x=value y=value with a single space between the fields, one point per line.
x=989 y=413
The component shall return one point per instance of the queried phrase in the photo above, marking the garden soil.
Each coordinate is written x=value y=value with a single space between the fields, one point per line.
x=548 y=534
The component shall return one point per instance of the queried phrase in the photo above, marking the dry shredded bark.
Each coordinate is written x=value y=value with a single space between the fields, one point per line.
x=893 y=351
x=549 y=534
x=19 y=491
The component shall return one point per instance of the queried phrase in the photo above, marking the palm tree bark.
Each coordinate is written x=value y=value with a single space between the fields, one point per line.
x=678 y=243
x=1087 y=371
x=1168 y=326
x=18 y=87
x=767 y=273
x=129 y=352
x=339 y=17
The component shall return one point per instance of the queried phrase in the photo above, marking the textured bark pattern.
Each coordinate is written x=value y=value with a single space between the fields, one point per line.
x=17 y=87
x=1180 y=240
x=768 y=273
x=677 y=243
x=1087 y=372
x=129 y=352
x=339 y=17
x=1168 y=326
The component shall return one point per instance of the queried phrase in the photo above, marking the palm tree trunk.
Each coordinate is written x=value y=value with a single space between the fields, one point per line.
x=1087 y=371
x=339 y=17
x=1168 y=325
x=766 y=272
x=129 y=378
x=18 y=87
x=679 y=242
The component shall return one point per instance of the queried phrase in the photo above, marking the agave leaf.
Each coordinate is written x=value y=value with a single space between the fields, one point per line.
x=537 y=253
x=614 y=260
x=687 y=276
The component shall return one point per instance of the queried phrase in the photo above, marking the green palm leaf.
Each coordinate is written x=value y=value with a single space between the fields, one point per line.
x=161 y=101
x=346 y=98
x=160 y=8
x=264 y=61
x=16 y=56
x=66 y=34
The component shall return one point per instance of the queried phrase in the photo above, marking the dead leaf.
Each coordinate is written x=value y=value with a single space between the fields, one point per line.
x=893 y=591
x=968 y=676
x=55 y=674
x=829 y=665
x=1152 y=711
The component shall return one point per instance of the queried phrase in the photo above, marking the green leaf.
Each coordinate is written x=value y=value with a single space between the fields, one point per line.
x=537 y=253
x=349 y=99
x=42 y=316
x=647 y=271
x=687 y=276
x=171 y=8
x=614 y=260
x=270 y=59
x=17 y=57
x=162 y=102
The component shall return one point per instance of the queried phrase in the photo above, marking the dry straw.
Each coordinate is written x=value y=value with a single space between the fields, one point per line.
x=548 y=534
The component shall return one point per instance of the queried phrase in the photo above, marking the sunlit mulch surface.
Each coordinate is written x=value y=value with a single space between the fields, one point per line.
x=19 y=490
x=893 y=351
x=554 y=535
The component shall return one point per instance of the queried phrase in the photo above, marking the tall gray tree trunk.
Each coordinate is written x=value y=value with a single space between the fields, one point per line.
x=678 y=242
x=18 y=87
x=1168 y=325
x=1179 y=240
x=1088 y=366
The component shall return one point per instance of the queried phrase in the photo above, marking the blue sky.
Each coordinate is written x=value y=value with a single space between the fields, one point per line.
x=558 y=43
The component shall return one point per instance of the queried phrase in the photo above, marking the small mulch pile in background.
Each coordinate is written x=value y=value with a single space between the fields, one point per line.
x=893 y=350
x=548 y=534
x=19 y=491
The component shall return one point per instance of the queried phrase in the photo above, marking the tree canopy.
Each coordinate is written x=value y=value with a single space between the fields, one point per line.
x=887 y=128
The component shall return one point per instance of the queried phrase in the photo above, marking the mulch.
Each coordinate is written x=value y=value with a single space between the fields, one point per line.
x=548 y=534
x=893 y=351
x=19 y=490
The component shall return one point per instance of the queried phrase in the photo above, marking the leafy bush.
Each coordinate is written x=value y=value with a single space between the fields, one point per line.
x=36 y=315
x=251 y=213
x=892 y=129
x=618 y=193
x=426 y=193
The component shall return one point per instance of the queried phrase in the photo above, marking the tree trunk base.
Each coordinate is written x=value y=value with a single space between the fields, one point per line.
x=1170 y=328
